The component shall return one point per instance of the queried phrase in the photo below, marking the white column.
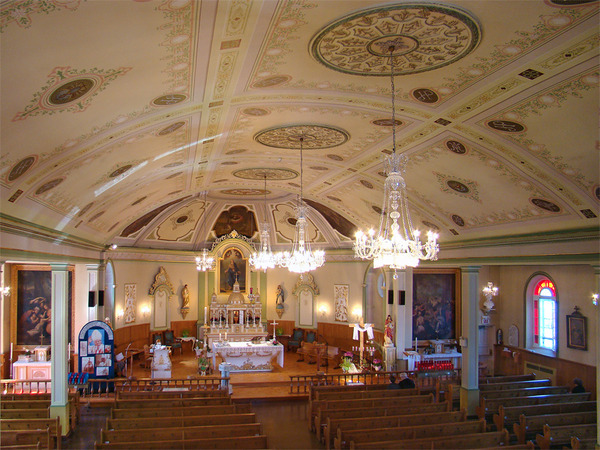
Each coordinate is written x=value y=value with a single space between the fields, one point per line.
x=59 y=403
x=94 y=312
x=597 y=291
x=469 y=390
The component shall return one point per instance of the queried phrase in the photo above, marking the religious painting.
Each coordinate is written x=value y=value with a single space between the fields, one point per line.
x=31 y=308
x=238 y=218
x=577 y=330
x=232 y=268
x=436 y=301
x=130 y=303
x=340 y=298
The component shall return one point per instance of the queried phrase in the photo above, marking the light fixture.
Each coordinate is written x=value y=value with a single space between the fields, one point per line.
x=594 y=299
x=145 y=310
x=265 y=258
x=120 y=313
x=5 y=290
x=396 y=244
x=205 y=261
x=301 y=259
x=489 y=292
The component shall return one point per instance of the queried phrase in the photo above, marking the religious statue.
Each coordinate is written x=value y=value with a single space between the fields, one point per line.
x=389 y=331
x=185 y=300
x=279 y=308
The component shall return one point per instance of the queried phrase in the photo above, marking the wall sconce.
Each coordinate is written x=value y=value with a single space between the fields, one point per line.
x=357 y=313
x=594 y=299
x=145 y=310
x=489 y=291
x=5 y=290
x=120 y=313
x=323 y=309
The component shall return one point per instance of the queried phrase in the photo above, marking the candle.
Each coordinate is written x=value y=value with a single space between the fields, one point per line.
x=11 y=351
x=219 y=335
x=205 y=315
x=416 y=344
x=226 y=335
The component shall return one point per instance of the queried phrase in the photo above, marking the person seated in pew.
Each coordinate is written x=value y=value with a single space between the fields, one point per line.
x=577 y=386
x=405 y=382
x=393 y=384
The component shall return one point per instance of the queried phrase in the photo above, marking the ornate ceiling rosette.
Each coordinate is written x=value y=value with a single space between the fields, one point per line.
x=315 y=136
x=425 y=37
x=259 y=173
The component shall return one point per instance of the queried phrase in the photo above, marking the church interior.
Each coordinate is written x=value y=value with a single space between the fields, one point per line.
x=270 y=192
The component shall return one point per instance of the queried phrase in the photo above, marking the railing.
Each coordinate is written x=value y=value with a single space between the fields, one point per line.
x=300 y=384
x=25 y=386
x=162 y=384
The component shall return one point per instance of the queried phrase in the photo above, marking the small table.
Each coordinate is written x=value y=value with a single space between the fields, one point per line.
x=284 y=339
x=191 y=339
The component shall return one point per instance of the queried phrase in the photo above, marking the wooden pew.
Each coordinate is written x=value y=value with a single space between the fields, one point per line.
x=393 y=410
x=561 y=435
x=179 y=433
x=578 y=444
x=467 y=441
x=40 y=401
x=182 y=421
x=239 y=442
x=515 y=385
x=408 y=432
x=25 y=413
x=30 y=438
x=507 y=416
x=131 y=395
x=171 y=402
x=505 y=378
x=34 y=424
x=335 y=427
x=179 y=411
x=380 y=402
x=532 y=425
x=489 y=406
x=525 y=392
x=314 y=391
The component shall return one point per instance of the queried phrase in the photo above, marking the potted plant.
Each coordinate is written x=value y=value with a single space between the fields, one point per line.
x=377 y=365
x=203 y=364
x=346 y=363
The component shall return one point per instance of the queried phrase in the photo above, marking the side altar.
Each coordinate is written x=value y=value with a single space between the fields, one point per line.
x=236 y=320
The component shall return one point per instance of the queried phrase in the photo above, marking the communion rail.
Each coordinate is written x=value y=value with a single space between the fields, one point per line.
x=300 y=384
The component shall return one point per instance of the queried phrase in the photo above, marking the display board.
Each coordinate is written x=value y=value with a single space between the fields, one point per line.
x=97 y=350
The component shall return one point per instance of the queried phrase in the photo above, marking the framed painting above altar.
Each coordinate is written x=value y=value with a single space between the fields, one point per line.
x=232 y=267
x=436 y=304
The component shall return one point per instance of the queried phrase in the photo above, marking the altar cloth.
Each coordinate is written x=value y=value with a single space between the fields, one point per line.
x=248 y=357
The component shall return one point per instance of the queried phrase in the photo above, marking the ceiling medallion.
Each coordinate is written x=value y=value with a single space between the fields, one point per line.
x=242 y=191
x=259 y=173
x=315 y=136
x=71 y=91
x=425 y=37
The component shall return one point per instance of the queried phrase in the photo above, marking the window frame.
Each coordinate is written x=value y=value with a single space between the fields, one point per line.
x=534 y=299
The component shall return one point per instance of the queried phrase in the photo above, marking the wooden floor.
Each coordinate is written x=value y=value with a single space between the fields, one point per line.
x=273 y=385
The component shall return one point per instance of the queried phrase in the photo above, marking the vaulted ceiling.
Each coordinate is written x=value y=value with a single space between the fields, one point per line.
x=158 y=124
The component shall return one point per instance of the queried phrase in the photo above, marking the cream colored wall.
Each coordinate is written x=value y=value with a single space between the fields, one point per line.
x=574 y=285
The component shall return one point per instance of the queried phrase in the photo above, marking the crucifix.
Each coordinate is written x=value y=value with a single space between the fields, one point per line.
x=359 y=333
x=274 y=323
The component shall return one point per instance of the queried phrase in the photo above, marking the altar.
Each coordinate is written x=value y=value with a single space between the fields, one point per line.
x=161 y=362
x=415 y=357
x=247 y=356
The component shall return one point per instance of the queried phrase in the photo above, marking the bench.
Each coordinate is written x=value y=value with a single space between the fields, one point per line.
x=532 y=425
x=506 y=378
x=507 y=416
x=561 y=435
x=476 y=440
x=25 y=413
x=131 y=395
x=577 y=444
x=393 y=410
x=239 y=442
x=183 y=421
x=39 y=402
x=315 y=351
x=490 y=406
x=179 y=433
x=182 y=411
x=525 y=392
x=171 y=402
x=34 y=424
x=514 y=385
x=408 y=432
x=334 y=427
x=28 y=438
x=379 y=402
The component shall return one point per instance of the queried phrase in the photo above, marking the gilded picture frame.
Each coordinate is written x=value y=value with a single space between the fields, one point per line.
x=577 y=331
x=232 y=267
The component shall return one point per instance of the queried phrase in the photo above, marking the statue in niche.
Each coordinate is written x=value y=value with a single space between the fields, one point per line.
x=389 y=331
x=279 y=300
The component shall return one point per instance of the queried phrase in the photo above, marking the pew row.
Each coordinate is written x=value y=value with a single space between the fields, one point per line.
x=132 y=395
x=26 y=439
x=529 y=426
x=470 y=441
x=505 y=378
x=182 y=421
x=171 y=402
x=525 y=392
x=507 y=416
x=181 y=411
x=490 y=406
x=53 y=425
x=515 y=385
x=408 y=432
x=561 y=435
x=239 y=442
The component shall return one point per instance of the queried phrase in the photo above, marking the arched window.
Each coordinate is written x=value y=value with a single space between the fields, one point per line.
x=542 y=311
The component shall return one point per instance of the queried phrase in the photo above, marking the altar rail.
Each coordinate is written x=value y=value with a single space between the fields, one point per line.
x=300 y=384
x=96 y=387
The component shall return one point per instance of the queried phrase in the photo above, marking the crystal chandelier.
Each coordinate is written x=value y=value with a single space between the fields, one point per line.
x=205 y=261
x=265 y=258
x=301 y=259
x=396 y=245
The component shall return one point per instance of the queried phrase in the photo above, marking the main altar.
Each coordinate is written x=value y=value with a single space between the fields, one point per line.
x=248 y=356
x=237 y=320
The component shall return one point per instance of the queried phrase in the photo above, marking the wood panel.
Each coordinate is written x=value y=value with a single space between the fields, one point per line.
x=138 y=335
x=340 y=335
x=511 y=361
x=180 y=325
x=286 y=325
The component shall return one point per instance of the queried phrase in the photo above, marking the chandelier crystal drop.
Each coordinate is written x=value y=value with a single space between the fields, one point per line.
x=265 y=258
x=301 y=258
x=396 y=244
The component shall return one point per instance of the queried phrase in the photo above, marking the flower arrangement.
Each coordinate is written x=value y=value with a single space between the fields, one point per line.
x=203 y=364
x=346 y=363
x=377 y=365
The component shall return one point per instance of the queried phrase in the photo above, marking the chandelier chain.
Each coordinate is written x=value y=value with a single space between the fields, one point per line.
x=393 y=99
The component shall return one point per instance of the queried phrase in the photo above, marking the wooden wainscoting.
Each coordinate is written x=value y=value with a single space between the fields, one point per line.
x=287 y=326
x=340 y=335
x=514 y=360
x=138 y=335
x=189 y=325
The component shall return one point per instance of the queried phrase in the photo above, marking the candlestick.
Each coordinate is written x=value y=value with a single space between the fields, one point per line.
x=11 y=351
x=416 y=344
x=205 y=315
x=219 y=335
x=226 y=335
